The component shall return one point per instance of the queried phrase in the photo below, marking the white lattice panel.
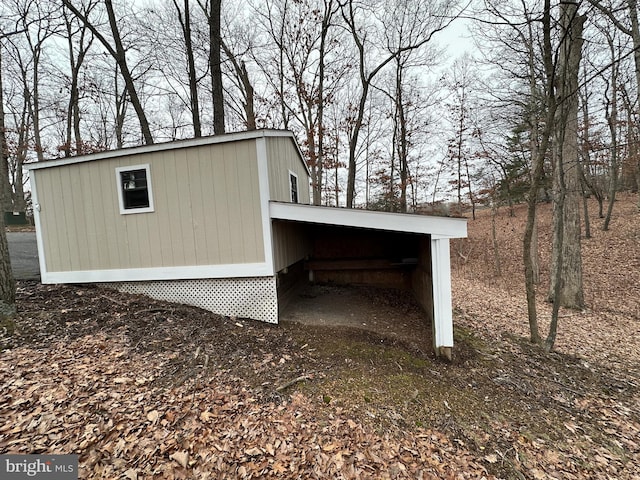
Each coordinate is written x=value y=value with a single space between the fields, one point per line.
x=254 y=297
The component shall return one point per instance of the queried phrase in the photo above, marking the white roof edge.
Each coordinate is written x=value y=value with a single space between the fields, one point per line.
x=442 y=227
x=159 y=147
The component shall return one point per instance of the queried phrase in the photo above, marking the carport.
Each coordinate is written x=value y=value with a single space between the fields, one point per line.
x=351 y=246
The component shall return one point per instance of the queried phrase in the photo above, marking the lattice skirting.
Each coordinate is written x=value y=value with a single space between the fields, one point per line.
x=254 y=297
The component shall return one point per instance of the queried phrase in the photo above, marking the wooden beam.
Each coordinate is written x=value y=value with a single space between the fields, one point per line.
x=356 y=264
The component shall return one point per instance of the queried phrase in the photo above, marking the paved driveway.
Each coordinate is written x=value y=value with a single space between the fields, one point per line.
x=24 y=255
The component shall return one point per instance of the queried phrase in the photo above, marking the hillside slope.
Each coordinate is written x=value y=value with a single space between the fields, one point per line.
x=607 y=331
x=145 y=389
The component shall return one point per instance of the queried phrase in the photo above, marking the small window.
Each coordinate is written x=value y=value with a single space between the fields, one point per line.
x=134 y=185
x=293 y=186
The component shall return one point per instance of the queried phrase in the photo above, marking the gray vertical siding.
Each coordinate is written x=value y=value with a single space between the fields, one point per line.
x=207 y=211
x=282 y=157
x=291 y=243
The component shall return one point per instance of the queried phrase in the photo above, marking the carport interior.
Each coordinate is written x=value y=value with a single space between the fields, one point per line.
x=344 y=255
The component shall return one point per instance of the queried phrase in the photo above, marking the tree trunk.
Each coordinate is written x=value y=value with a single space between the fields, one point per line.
x=118 y=54
x=244 y=83
x=5 y=185
x=7 y=282
x=194 y=103
x=74 y=133
x=20 y=155
x=121 y=59
x=611 y=114
x=403 y=149
x=494 y=238
x=326 y=19
x=33 y=100
x=587 y=222
x=216 y=67
x=567 y=171
x=635 y=35
x=536 y=175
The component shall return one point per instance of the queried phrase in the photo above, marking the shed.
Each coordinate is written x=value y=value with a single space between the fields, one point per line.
x=224 y=223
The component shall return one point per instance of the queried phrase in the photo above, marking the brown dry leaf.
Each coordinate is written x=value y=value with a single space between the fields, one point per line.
x=491 y=458
x=131 y=474
x=253 y=452
x=181 y=457
x=153 y=416
x=538 y=474
x=206 y=416
x=330 y=447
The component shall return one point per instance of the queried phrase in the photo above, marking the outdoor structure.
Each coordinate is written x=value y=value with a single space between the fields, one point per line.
x=224 y=223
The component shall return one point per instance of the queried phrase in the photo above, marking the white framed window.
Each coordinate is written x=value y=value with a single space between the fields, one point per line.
x=293 y=187
x=134 y=189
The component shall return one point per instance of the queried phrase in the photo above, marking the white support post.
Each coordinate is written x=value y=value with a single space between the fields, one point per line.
x=442 y=309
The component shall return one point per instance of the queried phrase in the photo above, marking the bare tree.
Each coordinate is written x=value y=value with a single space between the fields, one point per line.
x=118 y=53
x=305 y=66
x=627 y=23
x=184 y=17
x=527 y=35
x=404 y=23
x=435 y=17
x=566 y=268
x=460 y=82
x=7 y=282
x=83 y=44
x=216 y=66
x=38 y=23
x=245 y=86
x=611 y=114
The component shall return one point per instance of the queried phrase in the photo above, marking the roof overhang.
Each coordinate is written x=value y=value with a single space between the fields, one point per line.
x=166 y=146
x=437 y=227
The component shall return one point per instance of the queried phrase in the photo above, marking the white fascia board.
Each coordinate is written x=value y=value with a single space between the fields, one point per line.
x=241 y=270
x=442 y=227
x=161 y=147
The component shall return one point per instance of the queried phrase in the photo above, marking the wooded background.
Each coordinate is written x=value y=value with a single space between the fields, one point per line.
x=388 y=116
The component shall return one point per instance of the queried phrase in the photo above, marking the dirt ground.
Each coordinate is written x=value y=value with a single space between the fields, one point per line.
x=388 y=312
x=145 y=389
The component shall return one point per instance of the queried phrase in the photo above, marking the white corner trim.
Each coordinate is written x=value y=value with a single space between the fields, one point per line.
x=265 y=195
x=239 y=270
x=37 y=221
x=442 y=306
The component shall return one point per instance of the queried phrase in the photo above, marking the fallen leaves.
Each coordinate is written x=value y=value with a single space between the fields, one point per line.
x=208 y=427
x=146 y=390
x=600 y=391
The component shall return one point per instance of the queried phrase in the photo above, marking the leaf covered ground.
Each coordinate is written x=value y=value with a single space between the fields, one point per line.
x=146 y=389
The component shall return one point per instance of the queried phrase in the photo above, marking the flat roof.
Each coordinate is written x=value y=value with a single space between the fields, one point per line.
x=437 y=227
x=176 y=144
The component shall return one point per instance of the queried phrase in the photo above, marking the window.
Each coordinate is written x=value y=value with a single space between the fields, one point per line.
x=293 y=187
x=134 y=186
